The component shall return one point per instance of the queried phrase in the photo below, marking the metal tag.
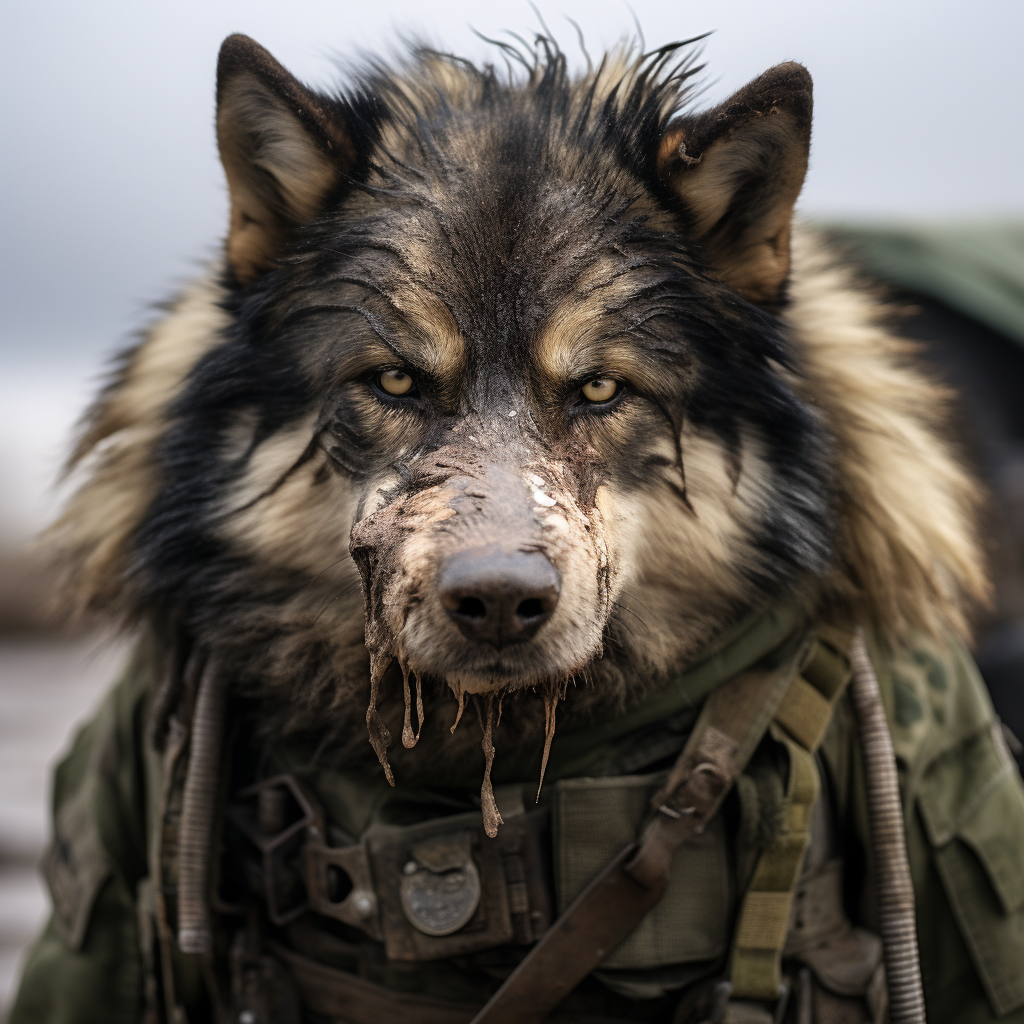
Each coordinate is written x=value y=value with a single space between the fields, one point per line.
x=440 y=887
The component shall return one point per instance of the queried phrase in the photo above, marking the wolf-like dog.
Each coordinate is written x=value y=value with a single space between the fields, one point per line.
x=516 y=392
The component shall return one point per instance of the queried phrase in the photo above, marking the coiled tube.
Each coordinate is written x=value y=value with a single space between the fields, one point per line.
x=195 y=934
x=896 y=919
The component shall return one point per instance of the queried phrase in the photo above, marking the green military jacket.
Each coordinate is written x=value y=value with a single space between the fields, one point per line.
x=962 y=794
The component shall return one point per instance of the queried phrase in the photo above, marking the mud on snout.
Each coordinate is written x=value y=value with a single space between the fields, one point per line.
x=484 y=575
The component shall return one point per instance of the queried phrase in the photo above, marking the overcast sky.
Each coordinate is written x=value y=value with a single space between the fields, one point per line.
x=111 y=187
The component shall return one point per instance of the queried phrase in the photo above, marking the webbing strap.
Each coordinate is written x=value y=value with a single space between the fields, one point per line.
x=801 y=721
x=764 y=916
x=804 y=714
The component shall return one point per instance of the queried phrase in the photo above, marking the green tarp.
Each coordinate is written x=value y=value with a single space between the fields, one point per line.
x=976 y=268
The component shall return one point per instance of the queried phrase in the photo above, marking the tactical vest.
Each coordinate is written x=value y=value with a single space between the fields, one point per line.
x=368 y=894
x=341 y=899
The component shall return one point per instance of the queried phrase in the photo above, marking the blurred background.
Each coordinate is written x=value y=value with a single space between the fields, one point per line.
x=111 y=192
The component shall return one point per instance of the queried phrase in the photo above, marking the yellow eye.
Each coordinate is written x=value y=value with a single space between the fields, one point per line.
x=395 y=382
x=600 y=389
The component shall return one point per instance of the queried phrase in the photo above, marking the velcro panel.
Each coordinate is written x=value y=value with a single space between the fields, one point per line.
x=972 y=805
x=976 y=795
x=804 y=713
x=828 y=668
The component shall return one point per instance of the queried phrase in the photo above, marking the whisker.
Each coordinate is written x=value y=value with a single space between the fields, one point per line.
x=346 y=591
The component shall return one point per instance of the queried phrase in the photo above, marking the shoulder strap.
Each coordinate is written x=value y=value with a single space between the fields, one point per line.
x=800 y=723
x=731 y=724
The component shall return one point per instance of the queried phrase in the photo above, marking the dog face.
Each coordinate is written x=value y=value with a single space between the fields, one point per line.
x=497 y=393
x=532 y=385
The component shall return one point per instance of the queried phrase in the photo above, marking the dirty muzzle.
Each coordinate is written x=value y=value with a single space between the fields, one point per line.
x=487 y=576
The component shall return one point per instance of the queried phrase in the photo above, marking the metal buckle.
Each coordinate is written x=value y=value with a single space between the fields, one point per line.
x=274 y=816
x=339 y=884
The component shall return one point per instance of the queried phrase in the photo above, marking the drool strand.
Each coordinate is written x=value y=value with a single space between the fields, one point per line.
x=488 y=805
x=380 y=735
x=419 y=705
x=409 y=738
x=462 y=707
x=550 y=703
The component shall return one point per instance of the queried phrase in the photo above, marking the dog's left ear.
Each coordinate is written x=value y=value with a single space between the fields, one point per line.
x=738 y=169
x=283 y=153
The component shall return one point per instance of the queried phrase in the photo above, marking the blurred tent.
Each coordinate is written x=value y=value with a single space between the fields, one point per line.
x=976 y=269
x=961 y=287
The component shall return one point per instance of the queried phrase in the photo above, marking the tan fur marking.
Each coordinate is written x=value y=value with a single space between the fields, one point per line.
x=910 y=551
x=295 y=524
x=442 y=347
x=567 y=346
x=115 y=456
x=683 y=570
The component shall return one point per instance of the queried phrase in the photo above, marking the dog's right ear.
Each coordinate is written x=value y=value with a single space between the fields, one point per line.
x=737 y=170
x=282 y=151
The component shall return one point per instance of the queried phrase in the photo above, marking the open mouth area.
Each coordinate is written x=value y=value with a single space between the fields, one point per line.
x=482 y=670
x=527 y=647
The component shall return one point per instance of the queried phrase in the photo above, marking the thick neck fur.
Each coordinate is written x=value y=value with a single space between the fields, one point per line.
x=908 y=550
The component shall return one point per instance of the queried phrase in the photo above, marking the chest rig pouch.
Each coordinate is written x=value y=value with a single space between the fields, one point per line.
x=428 y=891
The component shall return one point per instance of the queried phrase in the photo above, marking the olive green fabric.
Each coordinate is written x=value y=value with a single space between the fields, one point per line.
x=691 y=923
x=801 y=721
x=976 y=268
x=762 y=925
x=592 y=776
x=86 y=968
x=964 y=804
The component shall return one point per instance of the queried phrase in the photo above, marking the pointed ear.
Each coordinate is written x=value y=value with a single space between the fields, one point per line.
x=738 y=170
x=282 y=151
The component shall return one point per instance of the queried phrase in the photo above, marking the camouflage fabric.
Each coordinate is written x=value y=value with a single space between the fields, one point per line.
x=964 y=805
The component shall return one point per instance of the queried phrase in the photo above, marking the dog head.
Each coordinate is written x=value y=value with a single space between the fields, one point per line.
x=532 y=321
x=490 y=385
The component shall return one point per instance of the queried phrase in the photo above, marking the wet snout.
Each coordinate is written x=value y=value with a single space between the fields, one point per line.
x=498 y=597
x=484 y=574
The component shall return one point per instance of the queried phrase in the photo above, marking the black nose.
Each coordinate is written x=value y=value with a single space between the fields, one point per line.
x=496 y=597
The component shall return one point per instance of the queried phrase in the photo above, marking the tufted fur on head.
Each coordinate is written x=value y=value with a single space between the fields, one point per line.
x=501 y=241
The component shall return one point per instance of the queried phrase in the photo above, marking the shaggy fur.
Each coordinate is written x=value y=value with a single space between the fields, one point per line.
x=505 y=239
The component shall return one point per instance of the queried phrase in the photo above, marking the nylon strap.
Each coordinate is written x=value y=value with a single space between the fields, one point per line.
x=764 y=915
x=731 y=724
x=801 y=721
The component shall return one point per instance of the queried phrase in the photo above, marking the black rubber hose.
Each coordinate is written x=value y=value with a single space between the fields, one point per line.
x=896 y=919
